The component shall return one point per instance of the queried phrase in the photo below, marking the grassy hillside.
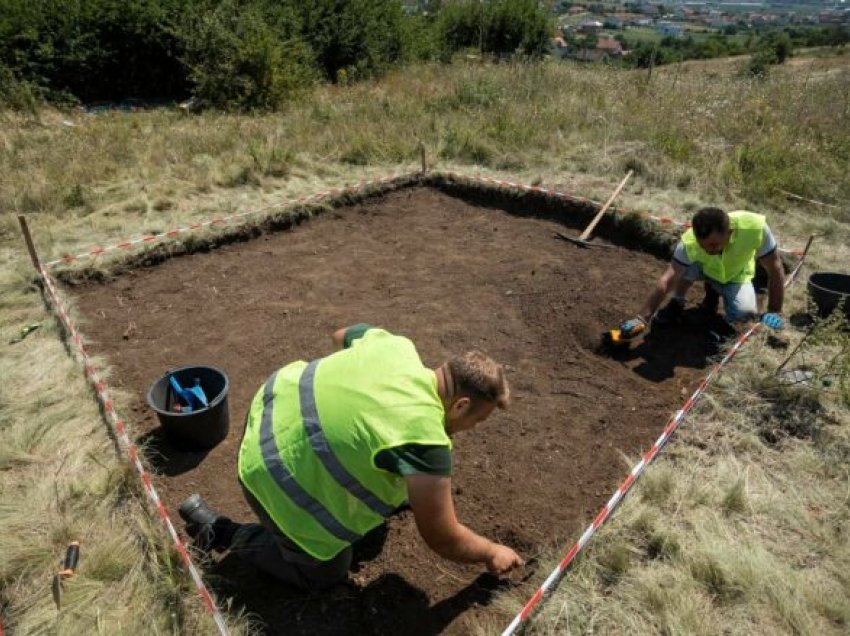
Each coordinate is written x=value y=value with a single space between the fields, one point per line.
x=744 y=519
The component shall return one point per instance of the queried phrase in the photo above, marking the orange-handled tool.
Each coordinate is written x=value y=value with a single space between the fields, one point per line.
x=69 y=567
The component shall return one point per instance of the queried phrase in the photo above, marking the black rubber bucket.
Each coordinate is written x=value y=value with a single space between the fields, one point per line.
x=827 y=290
x=203 y=428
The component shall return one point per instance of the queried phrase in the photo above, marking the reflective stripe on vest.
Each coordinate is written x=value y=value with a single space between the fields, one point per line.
x=320 y=445
x=285 y=479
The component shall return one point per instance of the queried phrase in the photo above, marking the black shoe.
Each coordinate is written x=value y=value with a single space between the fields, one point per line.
x=669 y=315
x=710 y=302
x=210 y=530
x=713 y=344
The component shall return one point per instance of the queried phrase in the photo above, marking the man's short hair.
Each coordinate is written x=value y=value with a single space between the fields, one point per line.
x=707 y=221
x=480 y=378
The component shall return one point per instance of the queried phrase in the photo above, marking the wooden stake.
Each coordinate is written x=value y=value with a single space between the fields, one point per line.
x=423 y=157
x=806 y=249
x=30 y=247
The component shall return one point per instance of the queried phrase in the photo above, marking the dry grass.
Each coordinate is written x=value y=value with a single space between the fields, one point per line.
x=62 y=480
x=727 y=533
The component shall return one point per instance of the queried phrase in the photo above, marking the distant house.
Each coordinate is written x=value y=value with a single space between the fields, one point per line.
x=759 y=19
x=627 y=19
x=590 y=26
x=604 y=49
x=719 y=23
x=643 y=22
x=834 y=16
x=610 y=46
x=668 y=29
x=577 y=9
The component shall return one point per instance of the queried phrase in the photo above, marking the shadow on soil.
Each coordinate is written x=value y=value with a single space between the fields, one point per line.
x=389 y=604
x=689 y=344
x=165 y=458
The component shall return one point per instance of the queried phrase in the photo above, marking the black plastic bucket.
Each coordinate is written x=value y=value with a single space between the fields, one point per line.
x=203 y=428
x=827 y=290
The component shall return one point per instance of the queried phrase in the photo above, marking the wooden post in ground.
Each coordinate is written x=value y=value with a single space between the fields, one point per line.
x=423 y=156
x=30 y=247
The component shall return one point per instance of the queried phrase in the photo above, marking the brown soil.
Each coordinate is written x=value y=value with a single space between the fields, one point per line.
x=450 y=275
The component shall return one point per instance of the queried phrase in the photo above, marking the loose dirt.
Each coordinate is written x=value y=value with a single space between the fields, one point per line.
x=450 y=276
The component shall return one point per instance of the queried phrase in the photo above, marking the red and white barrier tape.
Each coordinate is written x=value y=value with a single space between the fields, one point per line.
x=94 y=252
x=637 y=471
x=555 y=194
x=94 y=376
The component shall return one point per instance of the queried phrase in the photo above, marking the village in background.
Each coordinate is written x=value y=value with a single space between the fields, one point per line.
x=608 y=31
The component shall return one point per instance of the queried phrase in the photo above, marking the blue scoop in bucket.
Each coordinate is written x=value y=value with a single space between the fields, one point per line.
x=190 y=399
x=206 y=425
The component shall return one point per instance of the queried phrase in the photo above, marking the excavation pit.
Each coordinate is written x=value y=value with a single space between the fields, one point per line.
x=452 y=267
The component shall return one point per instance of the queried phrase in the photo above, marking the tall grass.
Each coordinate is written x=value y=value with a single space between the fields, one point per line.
x=727 y=133
x=61 y=480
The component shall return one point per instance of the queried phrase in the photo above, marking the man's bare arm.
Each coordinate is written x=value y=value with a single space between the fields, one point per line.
x=772 y=264
x=433 y=510
x=663 y=286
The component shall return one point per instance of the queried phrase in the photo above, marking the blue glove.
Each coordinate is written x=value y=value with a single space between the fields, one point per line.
x=632 y=328
x=774 y=321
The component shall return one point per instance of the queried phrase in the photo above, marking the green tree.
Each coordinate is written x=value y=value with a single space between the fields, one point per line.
x=240 y=55
x=499 y=27
x=778 y=43
x=93 y=49
x=361 y=37
x=760 y=63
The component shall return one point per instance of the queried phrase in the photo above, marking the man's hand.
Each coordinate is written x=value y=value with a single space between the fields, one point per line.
x=503 y=559
x=773 y=320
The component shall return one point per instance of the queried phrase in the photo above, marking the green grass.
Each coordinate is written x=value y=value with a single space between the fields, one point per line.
x=643 y=34
x=730 y=523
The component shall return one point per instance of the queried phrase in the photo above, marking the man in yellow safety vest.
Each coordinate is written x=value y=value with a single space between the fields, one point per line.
x=334 y=446
x=721 y=249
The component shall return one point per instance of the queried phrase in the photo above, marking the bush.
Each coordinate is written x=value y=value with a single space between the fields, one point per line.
x=778 y=44
x=759 y=64
x=15 y=94
x=500 y=27
x=237 y=59
x=419 y=34
x=360 y=37
x=93 y=49
x=249 y=53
